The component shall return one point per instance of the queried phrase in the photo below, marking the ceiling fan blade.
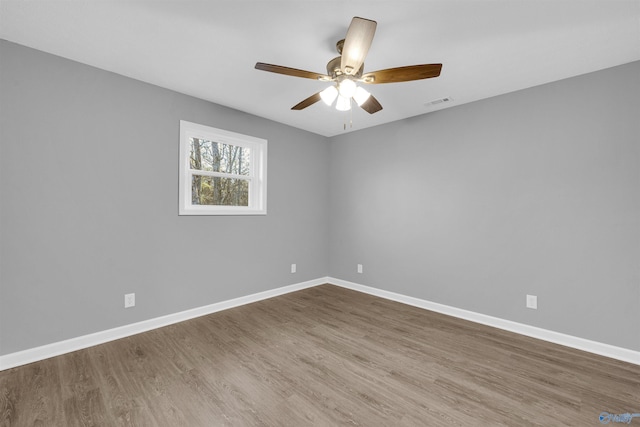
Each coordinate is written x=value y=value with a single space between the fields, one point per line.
x=402 y=74
x=371 y=105
x=291 y=71
x=307 y=102
x=357 y=44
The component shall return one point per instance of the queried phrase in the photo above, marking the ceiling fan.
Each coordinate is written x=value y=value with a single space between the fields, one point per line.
x=347 y=70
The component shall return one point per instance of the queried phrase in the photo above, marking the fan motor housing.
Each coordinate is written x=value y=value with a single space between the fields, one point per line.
x=333 y=68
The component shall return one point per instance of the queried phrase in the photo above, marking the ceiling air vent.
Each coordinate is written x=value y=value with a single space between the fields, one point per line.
x=438 y=101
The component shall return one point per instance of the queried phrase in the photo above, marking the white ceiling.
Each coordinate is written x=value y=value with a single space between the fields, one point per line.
x=208 y=48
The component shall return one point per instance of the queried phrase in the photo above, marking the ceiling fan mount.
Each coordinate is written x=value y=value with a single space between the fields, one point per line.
x=347 y=70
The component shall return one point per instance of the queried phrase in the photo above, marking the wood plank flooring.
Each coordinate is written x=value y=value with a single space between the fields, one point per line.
x=322 y=356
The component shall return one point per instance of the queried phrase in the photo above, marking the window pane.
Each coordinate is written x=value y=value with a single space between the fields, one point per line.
x=209 y=190
x=219 y=157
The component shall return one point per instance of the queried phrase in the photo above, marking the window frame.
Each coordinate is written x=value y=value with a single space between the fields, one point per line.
x=257 y=176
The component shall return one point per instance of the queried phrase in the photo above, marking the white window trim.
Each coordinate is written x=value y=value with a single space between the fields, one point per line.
x=257 y=177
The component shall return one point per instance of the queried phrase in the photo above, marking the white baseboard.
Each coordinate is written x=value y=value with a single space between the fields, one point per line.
x=55 y=349
x=19 y=358
x=595 y=347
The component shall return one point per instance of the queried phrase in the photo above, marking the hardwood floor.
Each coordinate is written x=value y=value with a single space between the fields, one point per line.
x=322 y=356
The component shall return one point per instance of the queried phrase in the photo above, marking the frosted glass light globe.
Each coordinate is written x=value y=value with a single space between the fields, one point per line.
x=361 y=96
x=347 y=88
x=329 y=95
x=343 y=104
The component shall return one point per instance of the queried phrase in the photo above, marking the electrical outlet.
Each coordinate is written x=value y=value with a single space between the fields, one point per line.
x=360 y=268
x=293 y=268
x=532 y=302
x=129 y=300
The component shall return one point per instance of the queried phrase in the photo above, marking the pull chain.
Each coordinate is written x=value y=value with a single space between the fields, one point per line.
x=351 y=113
x=350 y=117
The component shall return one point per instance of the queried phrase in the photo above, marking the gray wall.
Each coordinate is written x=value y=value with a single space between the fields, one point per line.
x=533 y=192
x=474 y=206
x=89 y=204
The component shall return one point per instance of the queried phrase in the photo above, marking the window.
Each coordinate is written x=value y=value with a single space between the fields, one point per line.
x=221 y=172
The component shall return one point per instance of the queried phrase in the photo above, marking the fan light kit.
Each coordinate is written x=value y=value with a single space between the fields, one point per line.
x=344 y=92
x=346 y=70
